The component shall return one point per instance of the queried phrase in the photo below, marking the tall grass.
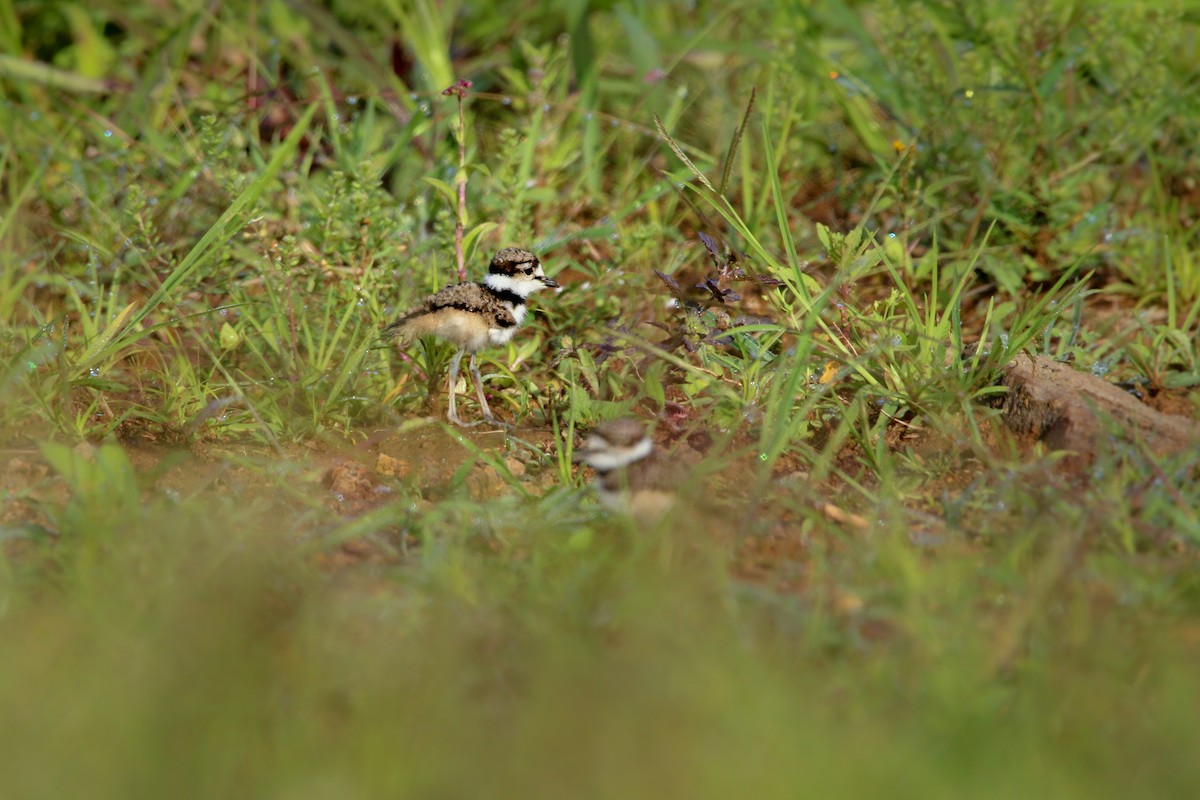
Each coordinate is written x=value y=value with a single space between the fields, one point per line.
x=804 y=239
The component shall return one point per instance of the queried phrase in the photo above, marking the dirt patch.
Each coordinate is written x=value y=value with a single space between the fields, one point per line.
x=780 y=559
x=1169 y=401
x=23 y=488
x=303 y=487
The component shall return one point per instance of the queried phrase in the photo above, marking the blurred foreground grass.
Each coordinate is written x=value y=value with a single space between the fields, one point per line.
x=210 y=210
x=192 y=656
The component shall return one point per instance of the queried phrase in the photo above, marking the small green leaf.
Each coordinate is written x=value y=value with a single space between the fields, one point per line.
x=94 y=56
x=472 y=237
x=444 y=189
x=654 y=388
x=823 y=237
x=229 y=338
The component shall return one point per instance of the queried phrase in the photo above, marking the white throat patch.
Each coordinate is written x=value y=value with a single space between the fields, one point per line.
x=520 y=285
x=618 y=457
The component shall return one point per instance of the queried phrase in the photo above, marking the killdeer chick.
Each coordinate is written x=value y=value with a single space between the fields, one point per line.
x=632 y=476
x=473 y=316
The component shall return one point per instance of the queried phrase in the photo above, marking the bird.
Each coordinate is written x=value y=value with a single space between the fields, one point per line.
x=633 y=477
x=473 y=316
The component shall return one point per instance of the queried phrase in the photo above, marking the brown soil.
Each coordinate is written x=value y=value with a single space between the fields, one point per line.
x=346 y=478
x=769 y=538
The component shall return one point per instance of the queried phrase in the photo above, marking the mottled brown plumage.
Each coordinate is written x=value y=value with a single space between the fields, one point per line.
x=463 y=314
x=473 y=316
x=472 y=297
x=512 y=260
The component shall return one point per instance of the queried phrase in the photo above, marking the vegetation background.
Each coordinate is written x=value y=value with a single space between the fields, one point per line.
x=804 y=238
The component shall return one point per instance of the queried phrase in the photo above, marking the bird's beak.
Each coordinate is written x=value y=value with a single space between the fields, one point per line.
x=549 y=283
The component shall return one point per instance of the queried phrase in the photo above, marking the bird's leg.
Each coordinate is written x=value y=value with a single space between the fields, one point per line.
x=483 y=403
x=452 y=413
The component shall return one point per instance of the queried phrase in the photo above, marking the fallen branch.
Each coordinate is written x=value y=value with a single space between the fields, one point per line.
x=1077 y=411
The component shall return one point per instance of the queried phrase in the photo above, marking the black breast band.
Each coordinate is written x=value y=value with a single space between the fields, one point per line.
x=506 y=295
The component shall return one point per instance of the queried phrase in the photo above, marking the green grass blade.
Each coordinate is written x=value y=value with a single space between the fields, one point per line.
x=234 y=218
x=731 y=154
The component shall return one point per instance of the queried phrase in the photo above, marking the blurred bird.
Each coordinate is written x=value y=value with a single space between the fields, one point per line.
x=473 y=316
x=632 y=476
